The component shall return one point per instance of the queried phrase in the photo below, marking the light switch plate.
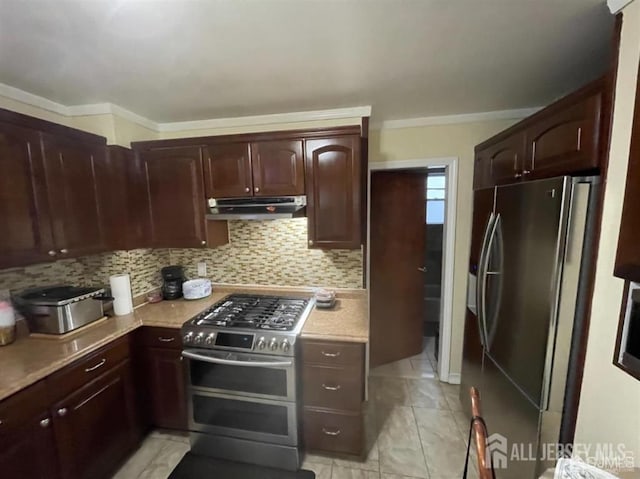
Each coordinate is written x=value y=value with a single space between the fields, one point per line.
x=202 y=268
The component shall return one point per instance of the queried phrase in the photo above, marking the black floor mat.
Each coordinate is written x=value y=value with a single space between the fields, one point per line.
x=200 y=467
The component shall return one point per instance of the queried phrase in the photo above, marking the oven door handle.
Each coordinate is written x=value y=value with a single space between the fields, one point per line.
x=232 y=362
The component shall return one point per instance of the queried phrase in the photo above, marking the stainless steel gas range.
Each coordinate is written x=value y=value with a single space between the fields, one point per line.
x=243 y=381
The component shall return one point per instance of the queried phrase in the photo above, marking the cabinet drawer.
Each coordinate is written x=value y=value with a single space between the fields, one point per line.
x=88 y=368
x=333 y=353
x=161 y=337
x=332 y=388
x=333 y=431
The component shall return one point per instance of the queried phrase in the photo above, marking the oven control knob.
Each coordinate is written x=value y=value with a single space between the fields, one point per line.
x=285 y=345
x=199 y=338
x=210 y=338
x=261 y=343
x=273 y=344
x=187 y=338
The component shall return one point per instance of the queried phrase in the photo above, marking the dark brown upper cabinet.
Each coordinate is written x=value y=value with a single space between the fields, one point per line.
x=227 y=170
x=503 y=160
x=628 y=257
x=73 y=169
x=125 y=206
x=334 y=192
x=175 y=192
x=567 y=139
x=262 y=168
x=278 y=168
x=24 y=214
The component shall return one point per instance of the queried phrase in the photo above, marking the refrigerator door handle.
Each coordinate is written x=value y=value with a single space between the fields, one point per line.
x=497 y=275
x=480 y=286
x=485 y=273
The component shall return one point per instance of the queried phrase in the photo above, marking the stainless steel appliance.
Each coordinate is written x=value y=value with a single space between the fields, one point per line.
x=243 y=380
x=257 y=208
x=526 y=309
x=60 y=309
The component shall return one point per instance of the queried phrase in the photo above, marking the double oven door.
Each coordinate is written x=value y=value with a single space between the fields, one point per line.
x=242 y=395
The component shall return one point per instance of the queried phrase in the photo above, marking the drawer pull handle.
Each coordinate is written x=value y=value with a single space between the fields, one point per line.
x=62 y=412
x=97 y=366
x=331 y=433
x=45 y=423
x=331 y=355
x=331 y=388
x=166 y=340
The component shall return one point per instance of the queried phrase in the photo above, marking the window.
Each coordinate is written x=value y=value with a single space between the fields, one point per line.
x=436 y=195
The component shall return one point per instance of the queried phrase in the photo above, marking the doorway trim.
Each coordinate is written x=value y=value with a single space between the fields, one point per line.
x=446 y=312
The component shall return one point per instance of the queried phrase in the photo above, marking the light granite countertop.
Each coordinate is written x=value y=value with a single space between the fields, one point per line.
x=31 y=358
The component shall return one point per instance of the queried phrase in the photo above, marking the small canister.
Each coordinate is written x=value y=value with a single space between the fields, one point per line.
x=7 y=324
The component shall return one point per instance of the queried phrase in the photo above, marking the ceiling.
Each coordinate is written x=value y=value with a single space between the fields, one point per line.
x=199 y=59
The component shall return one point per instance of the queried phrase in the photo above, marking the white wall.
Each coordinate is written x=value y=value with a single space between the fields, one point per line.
x=610 y=401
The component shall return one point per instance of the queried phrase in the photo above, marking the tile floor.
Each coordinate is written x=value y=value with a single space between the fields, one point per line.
x=415 y=429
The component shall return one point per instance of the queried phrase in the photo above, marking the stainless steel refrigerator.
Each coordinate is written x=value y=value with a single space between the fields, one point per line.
x=526 y=302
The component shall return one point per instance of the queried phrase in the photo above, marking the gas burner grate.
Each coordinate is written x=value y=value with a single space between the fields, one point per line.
x=254 y=312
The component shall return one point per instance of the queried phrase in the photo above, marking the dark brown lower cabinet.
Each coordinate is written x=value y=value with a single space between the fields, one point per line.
x=333 y=394
x=162 y=377
x=333 y=431
x=27 y=444
x=165 y=376
x=95 y=426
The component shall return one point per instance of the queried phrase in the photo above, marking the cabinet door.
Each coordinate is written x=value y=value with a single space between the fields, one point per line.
x=278 y=168
x=166 y=387
x=628 y=256
x=125 y=206
x=95 y=427
x=333 y=175
x=505 y=159
x=27 y=446
x=74 y=197
x=566 y=141
x=227 y=170
x=482 y=171
x=24 y=213
x=176 y=197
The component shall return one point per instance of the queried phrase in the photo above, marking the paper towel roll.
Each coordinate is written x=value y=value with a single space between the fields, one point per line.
x=121 y=292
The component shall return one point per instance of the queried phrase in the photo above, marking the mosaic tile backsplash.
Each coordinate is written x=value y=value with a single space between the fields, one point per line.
x=143 y=265
x=260 y=252
x=273 y=252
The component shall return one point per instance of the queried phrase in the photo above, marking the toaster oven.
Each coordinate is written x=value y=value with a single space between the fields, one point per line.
x=60 y=309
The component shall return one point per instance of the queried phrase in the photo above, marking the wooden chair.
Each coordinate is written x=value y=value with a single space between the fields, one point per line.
x=480 y=437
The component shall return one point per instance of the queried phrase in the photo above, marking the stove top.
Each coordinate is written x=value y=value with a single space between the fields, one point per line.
x=253 y=312
x=249 y=322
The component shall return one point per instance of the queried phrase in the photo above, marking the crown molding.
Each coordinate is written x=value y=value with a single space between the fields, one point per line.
x=455 y=119
x=256 y=120
x=295 y=117
x=33 y=100
x=112 y=109
x=616 y=5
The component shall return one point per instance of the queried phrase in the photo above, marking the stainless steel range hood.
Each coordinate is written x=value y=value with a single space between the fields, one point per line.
x=254 y=208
